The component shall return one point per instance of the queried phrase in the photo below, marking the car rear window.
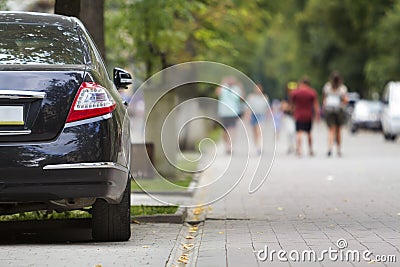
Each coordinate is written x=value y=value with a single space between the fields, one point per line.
x=39 y=44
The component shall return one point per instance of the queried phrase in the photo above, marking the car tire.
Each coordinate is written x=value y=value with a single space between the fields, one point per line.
x=393 y=137
x=111 y=222
x=354 y=129
x=387 y=136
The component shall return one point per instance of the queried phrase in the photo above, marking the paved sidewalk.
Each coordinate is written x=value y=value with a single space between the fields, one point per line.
x=305 y=204
x=308 y=204
x=150 y=245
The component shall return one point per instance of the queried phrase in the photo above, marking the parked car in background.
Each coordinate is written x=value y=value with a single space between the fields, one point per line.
x=64 y=133
x=353 y=97
x=366 y=115
x=391 y=111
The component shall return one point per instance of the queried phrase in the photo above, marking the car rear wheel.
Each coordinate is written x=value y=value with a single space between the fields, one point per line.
x=111 y=222
x=354 y=129
x=390 y=137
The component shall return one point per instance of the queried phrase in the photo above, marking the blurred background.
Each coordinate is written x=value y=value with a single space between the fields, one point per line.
x=271 y=41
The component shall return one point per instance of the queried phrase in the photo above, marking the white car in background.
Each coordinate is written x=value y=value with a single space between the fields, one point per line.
x=391 y=111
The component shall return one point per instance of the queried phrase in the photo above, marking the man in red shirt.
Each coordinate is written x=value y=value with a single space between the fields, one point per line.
x=305 y=102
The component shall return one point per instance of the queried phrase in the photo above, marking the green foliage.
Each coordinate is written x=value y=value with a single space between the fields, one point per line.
x=79 y=214
x=271 y=41
x=156 y=34
x=3 y=5
x=336 y=37
x=45 y=215
x=383 y=65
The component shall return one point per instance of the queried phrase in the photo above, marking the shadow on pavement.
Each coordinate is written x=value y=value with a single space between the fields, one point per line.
x=48 y=231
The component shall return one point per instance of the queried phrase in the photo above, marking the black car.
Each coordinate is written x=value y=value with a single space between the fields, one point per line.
x=64 y=138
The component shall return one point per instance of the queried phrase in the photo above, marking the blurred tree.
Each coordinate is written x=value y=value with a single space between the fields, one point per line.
x=334 y=35
x=146 y=31
x=276 y=59
x=158 y=34
x=271 y=41
x=383 y=65
x=311 y=37
x=3 y=5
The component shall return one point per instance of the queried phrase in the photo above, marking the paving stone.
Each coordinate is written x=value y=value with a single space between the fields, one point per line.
x=300 y=208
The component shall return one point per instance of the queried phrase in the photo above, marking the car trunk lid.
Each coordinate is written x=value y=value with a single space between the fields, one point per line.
x=35 y=100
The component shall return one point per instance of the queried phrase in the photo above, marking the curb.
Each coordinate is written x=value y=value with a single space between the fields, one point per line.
x=178 y=217
x=189 y=192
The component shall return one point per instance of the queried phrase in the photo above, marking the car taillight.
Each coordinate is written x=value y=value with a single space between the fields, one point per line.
x=92 y=100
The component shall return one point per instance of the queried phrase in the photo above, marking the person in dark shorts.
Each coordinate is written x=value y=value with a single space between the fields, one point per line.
x=256 y=111
x=305 y=102
x=334 y=103
x=228 y=122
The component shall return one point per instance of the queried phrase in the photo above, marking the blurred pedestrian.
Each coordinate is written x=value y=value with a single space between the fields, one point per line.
x=277 y=115
x=305 y=103
x=230 y=95
x=334 y=106
x=257 y=109
x=288 y=123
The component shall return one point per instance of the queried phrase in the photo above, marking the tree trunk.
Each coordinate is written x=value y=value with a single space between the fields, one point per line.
x=92 y=15
x=68 y=7
x=90 y=12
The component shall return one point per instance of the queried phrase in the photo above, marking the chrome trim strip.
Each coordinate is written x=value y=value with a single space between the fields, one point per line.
x=18 y=94
x=99 y=118
x=87 y=165
x=15 y=132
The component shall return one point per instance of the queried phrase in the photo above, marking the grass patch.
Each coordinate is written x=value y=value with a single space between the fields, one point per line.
x=82 y=214
x=152 y=210
x=45 y=215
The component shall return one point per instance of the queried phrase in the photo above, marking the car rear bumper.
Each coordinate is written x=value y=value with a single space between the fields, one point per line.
x=367 y=124
x=65 y=181
x=87 y=160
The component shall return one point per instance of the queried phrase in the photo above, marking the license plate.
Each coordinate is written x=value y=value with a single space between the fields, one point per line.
x=12 y=115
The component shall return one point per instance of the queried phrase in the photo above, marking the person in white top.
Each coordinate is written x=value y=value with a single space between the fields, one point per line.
x=257 y=110
x=230 y=96
x=334 y=103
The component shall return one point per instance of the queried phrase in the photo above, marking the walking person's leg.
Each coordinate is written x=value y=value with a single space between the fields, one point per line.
x=257 y=137
x=331 y=122
x=227 y=140
x=299 y=136
x=229 y=129
x=338 y=140
x=255 y=121
x=341 y=120
x=331 y=138
x=290 y=133
x=310 y=144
